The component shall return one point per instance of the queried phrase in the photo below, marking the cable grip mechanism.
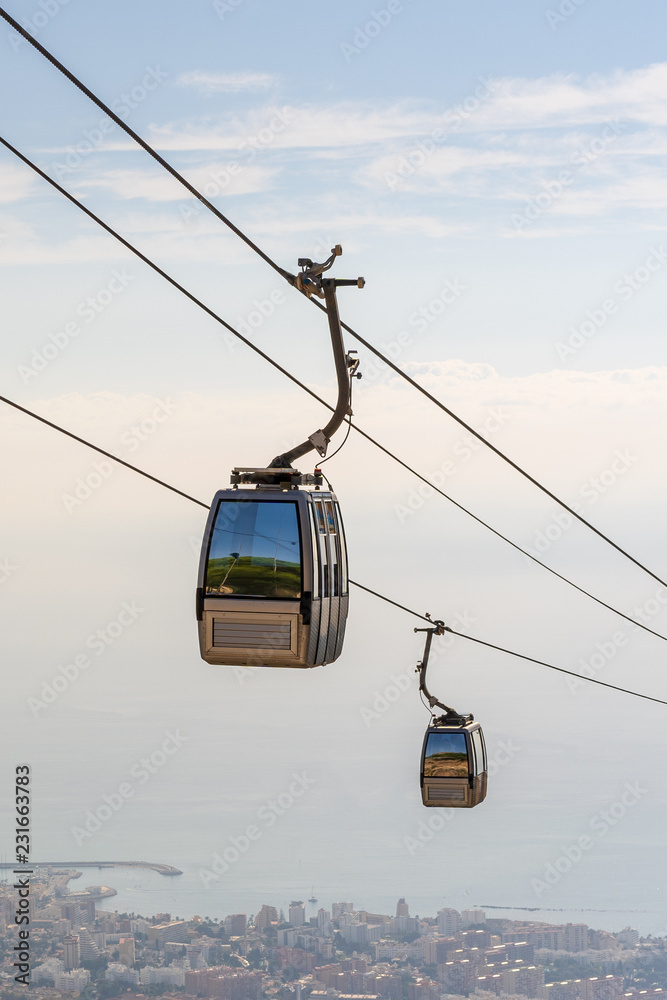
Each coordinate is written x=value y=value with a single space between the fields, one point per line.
x=309 y=280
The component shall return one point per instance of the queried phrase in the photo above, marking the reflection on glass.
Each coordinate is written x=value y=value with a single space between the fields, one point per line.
x=446 y=756
x=255 y=550
x=321 y=527
x=330 y=516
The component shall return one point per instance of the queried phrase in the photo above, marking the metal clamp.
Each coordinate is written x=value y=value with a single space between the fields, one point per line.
x=276 y=478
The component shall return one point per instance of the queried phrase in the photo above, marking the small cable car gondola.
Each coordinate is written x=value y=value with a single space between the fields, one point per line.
x=273 y=581
x=453 y=766
x=453 y=770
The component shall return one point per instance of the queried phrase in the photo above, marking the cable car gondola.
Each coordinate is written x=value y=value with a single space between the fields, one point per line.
x=453 y=767
x=273 y=581
x=453 y=770
x=273 y=578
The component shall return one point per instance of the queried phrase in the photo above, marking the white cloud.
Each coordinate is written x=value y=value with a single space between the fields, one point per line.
x=564 y=100
x=451 y=167
x=357 y=222
x=163 y=237
x=499 y=150
x=307 y=127
x=16 y=183
x=562 y=425
x=509 y=103
x=603 y=133
x=157 y=185
x=225 y=83
x=21 y=244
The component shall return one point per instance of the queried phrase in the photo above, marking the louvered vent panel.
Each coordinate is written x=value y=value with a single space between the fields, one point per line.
x=251 y=635
x=455 y=794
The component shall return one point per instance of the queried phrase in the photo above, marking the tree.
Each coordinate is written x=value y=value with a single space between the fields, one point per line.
x=254 y=958
x=95 y=966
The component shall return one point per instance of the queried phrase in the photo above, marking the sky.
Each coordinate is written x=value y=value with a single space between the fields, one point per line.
x=496 y=173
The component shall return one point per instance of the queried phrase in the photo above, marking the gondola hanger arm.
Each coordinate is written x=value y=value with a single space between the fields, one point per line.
x=451 y=716
x=310 y=282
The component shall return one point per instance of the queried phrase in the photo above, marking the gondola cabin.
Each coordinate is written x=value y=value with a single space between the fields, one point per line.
x=453 y=765
x=273 y=584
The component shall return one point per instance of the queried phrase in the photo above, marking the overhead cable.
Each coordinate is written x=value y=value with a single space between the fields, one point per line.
x=70 y=197
x=285 y=274
x=562 y=670
x=107 y=454
x=375 y=593
x=137 y=138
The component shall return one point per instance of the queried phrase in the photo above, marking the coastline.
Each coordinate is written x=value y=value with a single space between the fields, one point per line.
x=167 y=870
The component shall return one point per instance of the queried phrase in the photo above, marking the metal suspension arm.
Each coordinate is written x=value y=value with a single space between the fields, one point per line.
x=451 y=716
x=311 y=282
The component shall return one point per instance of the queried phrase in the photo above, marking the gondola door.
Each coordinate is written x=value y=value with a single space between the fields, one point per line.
x=334 y=578
x=343 y=581
x=325 y=578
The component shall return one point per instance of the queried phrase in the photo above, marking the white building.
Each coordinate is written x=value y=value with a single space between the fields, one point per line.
x=628 y=936
x=72 y=982
x=390 y=951
x=449 y=922
x=49 y=970
x=118 y=973
x=169 y=976
x=358 y=933
x=297 y=913
x=324 y=924
x=470 y=917
x=403 y=925
x=87 y=946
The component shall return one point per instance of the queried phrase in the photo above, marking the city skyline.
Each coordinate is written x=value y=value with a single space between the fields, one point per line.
x=339 y=952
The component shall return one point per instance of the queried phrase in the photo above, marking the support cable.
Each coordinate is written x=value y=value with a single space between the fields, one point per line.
x=137 y=138
x=360 y=586
x=500 y=454
x=293 y=378
x=290 y=278
x=562 y=670
x=101 y=451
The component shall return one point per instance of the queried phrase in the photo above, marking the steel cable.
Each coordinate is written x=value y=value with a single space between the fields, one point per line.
x=70 y=197
x=360 y=586
x=285 y=274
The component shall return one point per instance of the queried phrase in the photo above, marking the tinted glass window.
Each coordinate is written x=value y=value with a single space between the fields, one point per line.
x=478 y=744
x=446 y=756
x=343 y=554
x=483 y=742
x=316 y=559
x=319 y=516
x=324 y=568
x=255 y=550
x=330 y=517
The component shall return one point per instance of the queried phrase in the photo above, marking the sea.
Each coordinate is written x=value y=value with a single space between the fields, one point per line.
x=144 y=892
